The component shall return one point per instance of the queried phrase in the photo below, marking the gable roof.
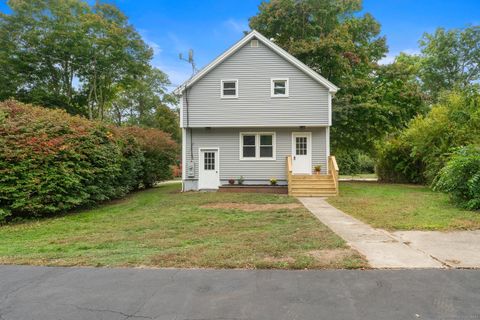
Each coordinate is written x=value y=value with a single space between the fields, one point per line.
x=257 y=35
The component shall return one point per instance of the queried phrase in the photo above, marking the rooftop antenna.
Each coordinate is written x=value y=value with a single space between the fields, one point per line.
x=190 y=60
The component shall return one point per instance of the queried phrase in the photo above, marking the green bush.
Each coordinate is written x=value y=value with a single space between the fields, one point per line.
x=52 y=162
x=395 y=163
x=419 y=152
x=354 y=161
x=159 y=151
x=461 y=177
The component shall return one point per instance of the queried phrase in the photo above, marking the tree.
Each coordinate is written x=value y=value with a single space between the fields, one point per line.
x=68 y=54
x=116 y=56
x=420 y=151
x=450 y=59
x=328 y=35
x=398 y=90
x=333 y=39
x=42 y=42
x=144 y=102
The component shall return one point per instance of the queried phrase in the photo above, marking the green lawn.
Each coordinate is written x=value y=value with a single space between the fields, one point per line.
x=161 y=227
x=403 y=207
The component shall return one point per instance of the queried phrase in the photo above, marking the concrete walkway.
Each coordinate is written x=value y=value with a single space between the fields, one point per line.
x=457 y=249
x=382 y=249
x=40 y=293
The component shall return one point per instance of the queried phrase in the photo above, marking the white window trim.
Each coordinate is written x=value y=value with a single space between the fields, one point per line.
x=257 y=146
x=287 y=88
x=236 y=88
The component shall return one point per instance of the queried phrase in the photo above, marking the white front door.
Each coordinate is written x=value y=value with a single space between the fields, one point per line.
x=208 y=171
x=302 y=153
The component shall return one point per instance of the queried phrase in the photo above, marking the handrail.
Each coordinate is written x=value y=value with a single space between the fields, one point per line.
x=333 y=168
x=289 y=173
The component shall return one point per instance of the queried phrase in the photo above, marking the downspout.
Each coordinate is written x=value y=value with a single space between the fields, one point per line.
x=188 y=122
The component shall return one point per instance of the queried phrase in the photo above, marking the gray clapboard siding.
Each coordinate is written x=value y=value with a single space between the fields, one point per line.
x=254 y=67
x=228 y=141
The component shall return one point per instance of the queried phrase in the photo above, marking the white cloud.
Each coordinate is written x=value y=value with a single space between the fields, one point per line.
x=152 y=44
x=177 y=73
x=390 y=58
x=155 y=46
x=237 y=26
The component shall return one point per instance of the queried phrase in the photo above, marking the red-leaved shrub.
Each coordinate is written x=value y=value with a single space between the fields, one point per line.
x=52 y=162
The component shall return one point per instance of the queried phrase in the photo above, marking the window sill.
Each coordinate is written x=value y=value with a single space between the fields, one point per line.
x=258 y=159
x=228 y=98
x=277 y=96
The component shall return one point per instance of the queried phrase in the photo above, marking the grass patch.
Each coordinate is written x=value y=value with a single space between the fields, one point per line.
x=403 y=207
x=359 y=176
x=161 y=227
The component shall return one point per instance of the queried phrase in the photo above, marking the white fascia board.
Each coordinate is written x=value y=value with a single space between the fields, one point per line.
x=181 y=110
x=184 y=154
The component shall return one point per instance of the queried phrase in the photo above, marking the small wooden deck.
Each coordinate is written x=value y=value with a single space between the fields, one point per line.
x=315 y=185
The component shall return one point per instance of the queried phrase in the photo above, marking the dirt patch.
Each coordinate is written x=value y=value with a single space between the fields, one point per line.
x=331 y=255
x=250 y=207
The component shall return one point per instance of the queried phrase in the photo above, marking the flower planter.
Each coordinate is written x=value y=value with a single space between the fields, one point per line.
x=254 y=189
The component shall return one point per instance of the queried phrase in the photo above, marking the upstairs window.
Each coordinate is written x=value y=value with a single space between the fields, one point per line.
x=229 y=89
x=257 y=146
x=280 y=87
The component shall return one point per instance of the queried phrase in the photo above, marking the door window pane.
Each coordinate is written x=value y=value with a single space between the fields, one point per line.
x=209 y=160
x=300 y=146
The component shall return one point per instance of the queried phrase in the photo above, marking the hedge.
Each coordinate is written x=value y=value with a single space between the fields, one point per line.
x=419 y=152
x=52 y=162
x=461 y=177
x=354 y=162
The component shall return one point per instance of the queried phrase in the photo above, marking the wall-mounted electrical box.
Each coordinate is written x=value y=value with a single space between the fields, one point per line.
x=191 y=169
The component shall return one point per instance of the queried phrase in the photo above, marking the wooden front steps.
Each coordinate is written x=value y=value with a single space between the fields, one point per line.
x=313 y=185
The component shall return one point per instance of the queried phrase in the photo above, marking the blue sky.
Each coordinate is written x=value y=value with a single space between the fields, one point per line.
x=211 y=26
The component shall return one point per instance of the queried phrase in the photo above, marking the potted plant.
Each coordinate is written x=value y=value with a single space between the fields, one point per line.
x=318 y=168
x=240 y=180
x=273 y=181
x=231 y=181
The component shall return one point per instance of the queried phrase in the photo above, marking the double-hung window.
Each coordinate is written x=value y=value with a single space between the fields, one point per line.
x=257 y=146
x=229 y=89
x=279 y=87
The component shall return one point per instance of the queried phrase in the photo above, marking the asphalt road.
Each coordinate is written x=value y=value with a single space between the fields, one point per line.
x=88 y=293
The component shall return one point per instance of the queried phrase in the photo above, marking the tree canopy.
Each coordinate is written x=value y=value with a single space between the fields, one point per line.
x=86 y=59
x=450 y=59
x=336 y=40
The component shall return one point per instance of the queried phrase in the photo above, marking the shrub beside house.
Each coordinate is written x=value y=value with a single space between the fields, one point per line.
x=440 y=149
x=52 y=162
